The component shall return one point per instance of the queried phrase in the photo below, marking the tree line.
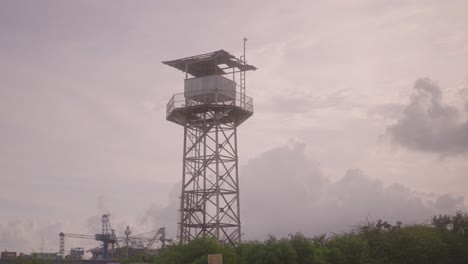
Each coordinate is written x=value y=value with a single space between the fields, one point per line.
x=444 y=241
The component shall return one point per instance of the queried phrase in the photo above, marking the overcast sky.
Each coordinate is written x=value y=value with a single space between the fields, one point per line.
x=361 y=112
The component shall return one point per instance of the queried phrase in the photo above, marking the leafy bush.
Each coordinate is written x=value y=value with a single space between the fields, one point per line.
x=443 y=242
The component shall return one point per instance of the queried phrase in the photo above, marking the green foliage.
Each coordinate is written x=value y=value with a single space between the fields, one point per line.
x=453 y=230
x=443 y=242
x=353 y=247
x=195 y=252
x=251 y=252
x=309 y=251
x=279 y=251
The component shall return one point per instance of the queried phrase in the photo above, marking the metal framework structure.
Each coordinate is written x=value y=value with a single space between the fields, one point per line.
x=160 y=235
x=107 y=236
x=62 y=240
x=209 y=201
x=127 y=233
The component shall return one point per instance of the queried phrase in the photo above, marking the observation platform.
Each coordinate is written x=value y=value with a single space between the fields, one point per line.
x=208 y=88
x=183 y=110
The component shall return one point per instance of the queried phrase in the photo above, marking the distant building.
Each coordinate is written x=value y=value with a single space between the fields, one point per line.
x=8 y=255
x=76 y=253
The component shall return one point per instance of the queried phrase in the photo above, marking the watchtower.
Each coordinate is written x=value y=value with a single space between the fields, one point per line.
x=210 y=109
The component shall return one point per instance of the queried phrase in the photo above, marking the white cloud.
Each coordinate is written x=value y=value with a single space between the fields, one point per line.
x=283 y=191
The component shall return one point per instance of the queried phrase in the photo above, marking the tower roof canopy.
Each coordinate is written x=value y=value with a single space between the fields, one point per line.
x=209 y=63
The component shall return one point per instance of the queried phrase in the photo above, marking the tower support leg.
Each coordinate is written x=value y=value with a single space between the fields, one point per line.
x=210 y=183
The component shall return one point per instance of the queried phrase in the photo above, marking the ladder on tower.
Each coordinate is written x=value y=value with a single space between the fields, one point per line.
x=242 y=84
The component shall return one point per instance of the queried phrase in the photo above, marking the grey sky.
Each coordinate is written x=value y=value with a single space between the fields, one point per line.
x=83 y=94
x=429 y=125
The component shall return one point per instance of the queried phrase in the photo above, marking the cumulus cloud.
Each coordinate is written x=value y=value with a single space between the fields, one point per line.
x=463 y=93
x=430 y=125
x=284 y=191
x=448 y=202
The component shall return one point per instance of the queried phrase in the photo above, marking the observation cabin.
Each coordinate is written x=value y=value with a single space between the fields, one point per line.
x=214 y=81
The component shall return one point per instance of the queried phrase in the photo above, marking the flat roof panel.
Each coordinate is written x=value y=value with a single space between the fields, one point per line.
x=208 y=63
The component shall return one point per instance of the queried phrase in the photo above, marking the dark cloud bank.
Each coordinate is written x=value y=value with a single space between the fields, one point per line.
x=430 y=125
x=283 y=191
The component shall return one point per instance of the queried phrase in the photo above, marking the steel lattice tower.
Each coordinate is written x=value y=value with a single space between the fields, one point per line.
x=211 y=108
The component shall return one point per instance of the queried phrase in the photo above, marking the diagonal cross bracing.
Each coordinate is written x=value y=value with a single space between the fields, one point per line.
x=210 y=189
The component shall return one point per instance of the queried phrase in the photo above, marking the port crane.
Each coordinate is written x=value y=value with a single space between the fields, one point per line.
x=107 y=236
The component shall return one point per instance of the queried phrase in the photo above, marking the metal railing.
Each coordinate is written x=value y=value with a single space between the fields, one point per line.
x=201 y=97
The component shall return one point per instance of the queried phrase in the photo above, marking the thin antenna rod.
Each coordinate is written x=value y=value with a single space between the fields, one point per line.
x=242 y=77
x=245 y=41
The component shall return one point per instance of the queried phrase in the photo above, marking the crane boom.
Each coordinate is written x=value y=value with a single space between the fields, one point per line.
x=79 y=236
x=160 y=235
x=62 y=240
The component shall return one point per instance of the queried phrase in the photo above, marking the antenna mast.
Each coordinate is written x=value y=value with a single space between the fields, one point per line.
x=242 y=77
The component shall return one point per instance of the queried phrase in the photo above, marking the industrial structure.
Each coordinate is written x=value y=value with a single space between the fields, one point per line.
x=214 y=103
x=69 y=235
x=107 y=236
x=127 y=233
x=110 y=248
x=76 y=253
